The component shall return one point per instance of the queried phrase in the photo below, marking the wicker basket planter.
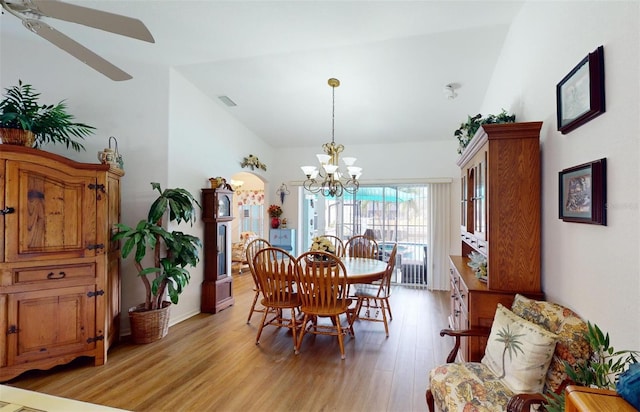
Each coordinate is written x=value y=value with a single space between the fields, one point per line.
x=149 y=325
x=17 y=137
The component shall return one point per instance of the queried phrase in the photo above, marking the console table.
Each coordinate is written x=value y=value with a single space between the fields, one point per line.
x=582 y=399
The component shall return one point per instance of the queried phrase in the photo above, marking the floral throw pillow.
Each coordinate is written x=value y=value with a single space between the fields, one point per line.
x=519 y=352
x=572 y=346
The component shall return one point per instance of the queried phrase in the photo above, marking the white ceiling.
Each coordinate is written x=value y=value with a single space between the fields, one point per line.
x=273 y=58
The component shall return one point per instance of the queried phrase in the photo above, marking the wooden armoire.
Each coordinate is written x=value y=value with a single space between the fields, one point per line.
x=59 y=271
x=500 y=209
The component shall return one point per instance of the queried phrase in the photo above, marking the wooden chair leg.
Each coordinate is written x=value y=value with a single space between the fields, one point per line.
x=262 y=323
x=340 y=337
x=358 y=307
x=386 y=300
x=253 y=306
x=302 y=332
x=294 y=327
x=384 y=316
x=430 y=402
x=350 y=320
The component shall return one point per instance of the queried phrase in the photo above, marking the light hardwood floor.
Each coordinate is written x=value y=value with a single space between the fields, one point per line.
x=211 y=363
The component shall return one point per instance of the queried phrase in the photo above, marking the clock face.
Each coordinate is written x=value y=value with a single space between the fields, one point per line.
x=224 y=206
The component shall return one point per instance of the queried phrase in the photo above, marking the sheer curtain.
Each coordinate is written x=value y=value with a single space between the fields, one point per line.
x=439 y=236
x=250 y=211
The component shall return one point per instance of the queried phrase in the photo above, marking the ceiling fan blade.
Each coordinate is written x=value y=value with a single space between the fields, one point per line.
x=114 y=23
x=76 y=49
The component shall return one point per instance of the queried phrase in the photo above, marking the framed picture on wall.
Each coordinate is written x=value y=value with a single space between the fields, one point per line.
x=580 y=95
x=583 y=193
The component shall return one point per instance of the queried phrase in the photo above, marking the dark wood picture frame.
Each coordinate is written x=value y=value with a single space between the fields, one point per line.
x=580 y=95
x=583 y=193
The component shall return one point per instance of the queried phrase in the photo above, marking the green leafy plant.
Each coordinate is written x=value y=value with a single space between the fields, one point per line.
x=168 y=273
x=19 y=109
x=601 y=370
x=604 y=366
x=468 y=129
x=555 y=402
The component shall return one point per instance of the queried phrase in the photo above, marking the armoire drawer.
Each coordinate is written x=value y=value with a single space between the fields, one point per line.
x=53 y=273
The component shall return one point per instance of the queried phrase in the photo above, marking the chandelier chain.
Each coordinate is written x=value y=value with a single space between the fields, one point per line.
x=332 y=181
x=333 y=115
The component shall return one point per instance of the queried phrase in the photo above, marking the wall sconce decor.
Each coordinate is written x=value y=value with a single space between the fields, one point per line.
x=282 y=192
x=253 y=162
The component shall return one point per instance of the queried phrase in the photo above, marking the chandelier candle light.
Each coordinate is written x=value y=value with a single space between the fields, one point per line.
x=332 y=181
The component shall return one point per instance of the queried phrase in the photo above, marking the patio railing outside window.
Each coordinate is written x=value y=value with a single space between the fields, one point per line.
x=391 y=214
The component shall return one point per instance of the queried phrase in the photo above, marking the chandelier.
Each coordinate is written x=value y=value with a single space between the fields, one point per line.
x=328 y=179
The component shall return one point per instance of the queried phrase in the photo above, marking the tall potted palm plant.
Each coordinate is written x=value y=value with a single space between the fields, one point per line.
x=172 y=251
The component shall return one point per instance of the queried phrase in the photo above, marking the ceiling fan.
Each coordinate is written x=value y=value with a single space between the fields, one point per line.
x=31 y=12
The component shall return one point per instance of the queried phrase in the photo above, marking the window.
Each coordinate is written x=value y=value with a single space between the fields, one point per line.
x=251 y=212
x=251 y=218
x=392 y=214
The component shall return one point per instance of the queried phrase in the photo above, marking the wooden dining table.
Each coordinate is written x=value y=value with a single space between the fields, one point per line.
x=363 y=270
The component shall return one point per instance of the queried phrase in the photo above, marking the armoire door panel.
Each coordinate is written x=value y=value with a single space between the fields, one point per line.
x=31 y=315
x=55 y=213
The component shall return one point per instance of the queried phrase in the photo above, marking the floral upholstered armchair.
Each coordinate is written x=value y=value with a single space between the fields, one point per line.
x=524 y=358
x=238 y=250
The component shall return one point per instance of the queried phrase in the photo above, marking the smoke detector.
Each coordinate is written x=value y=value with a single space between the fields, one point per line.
x=450 y=90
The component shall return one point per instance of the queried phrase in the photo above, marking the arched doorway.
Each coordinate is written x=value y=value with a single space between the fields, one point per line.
x=249 y=205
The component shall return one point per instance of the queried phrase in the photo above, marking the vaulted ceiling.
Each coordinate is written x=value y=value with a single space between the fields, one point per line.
x=273 y=59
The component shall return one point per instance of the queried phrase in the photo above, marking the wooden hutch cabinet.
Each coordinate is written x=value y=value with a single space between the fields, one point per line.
x=501 y=213
x=59 y=271
x=217 y=293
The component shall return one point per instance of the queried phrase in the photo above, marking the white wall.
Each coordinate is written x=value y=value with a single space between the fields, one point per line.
x=592 y=269
x=134 y=111
x=204 y=141
x=167 y=131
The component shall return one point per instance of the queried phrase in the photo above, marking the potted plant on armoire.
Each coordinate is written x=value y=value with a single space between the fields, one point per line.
x=166 y=273
x=25 y=121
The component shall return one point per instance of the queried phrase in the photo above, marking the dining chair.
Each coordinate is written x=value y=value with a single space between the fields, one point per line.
x=337 y=243
x=375 y=297
x=252 y=248
x=322 y=287
x=362 y=246
x=275 y=270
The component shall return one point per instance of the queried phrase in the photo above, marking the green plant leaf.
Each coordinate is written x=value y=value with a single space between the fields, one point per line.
x=20 y=109
x=603 y=368
x=468 y=129
x=177 y=249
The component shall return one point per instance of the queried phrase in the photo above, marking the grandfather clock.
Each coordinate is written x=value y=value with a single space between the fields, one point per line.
x=217 y=284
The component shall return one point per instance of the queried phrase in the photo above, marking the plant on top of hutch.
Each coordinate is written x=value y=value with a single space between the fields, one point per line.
x=25 y=122
x=170 y=275
x=468 y=129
